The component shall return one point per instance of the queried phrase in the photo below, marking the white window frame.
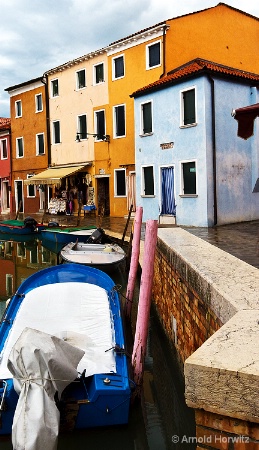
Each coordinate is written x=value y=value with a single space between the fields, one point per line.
x=148 y=67
x=18 y=109
x=2 y=148
x=53 y=132
x=115 y=122
x=115 y=183
x=78 y=88
x=28 y=188
x=182 y=125
x=51 y=88
x=186 y=161
x=114 y=78
x=20 y=138
x=142 y=133
x=94 y=74
x=37 y=110
x=37 y=144
x=143 y=181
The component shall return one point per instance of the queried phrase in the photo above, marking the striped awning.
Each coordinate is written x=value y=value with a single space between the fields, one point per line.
x=54 y=175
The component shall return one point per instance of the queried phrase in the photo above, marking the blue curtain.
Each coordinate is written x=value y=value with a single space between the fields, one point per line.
x=168 y=201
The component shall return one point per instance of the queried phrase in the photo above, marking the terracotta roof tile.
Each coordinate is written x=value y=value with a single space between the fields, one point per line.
x=193 y=67
x=5 y=123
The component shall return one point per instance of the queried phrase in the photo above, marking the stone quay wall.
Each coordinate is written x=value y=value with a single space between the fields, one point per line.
x=208 y=304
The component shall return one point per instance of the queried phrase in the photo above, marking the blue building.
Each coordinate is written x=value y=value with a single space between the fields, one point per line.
x=191 y=167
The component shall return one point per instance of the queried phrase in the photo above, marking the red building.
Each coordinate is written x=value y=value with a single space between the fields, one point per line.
x=5 y=165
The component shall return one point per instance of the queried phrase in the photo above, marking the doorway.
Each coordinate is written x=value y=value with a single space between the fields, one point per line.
x=18 y=195
x=168 y=207
x=103 y=196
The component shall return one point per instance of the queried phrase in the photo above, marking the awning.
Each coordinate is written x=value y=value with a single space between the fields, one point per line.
x=54 y=175
x=245 y=117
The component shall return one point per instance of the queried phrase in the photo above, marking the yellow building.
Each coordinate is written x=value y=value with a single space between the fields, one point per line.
x=91 y=113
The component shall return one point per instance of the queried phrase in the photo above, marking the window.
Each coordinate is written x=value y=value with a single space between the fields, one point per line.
x=19 y=147
x=38 y=102
x=189 y=178
x=54 y=88
x=118 y=67
x=56 y=132
x=146 y=118
x=188 y=107
x=34 y=255
x=99 y=73
x=18 y=108
x=3 y=145
x=31 y=188
x=147 y=180
x=100 y=124
x=82 y=126
x=80 y=79
x=153 y=52
x=9 y=284
x=120 y=182
x=40 y=150
x=119 y=121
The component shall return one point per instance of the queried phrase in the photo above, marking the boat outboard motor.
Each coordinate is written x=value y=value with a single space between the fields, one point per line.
x=53 y=224
x=96 y=237
x=30 y=222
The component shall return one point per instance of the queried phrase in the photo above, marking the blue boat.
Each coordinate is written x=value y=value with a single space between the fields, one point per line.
x=21 y=227
x=64 y=235
x=75 y=306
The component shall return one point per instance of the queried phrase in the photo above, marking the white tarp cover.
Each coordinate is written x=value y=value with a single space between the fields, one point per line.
x=41 y=365
x=76 y=312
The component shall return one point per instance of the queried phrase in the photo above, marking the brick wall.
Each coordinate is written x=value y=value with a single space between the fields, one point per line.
x=182 y=298
x=214 y=431
x=182 y=305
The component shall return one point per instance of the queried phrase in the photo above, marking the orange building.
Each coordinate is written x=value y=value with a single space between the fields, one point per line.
x=78 y=102
x=29 y=144
x=221 y=33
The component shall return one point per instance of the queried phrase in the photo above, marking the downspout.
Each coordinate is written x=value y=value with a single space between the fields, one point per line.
x=214 y=160
x=164 y=55
x=45 y=82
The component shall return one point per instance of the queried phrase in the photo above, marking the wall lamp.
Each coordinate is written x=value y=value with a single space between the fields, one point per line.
x=100 y=137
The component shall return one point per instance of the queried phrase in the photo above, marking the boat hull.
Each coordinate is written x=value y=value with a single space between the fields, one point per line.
x=64 y=236
x=17 y=227
x=106 y=257
x=101 y=399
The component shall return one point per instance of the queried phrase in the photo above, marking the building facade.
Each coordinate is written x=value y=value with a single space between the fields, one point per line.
x=29 y=144
x=91 y=125
x=5 y=166
x=191 y=165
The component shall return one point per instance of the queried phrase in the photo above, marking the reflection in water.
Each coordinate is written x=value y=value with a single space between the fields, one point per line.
x=162 y=412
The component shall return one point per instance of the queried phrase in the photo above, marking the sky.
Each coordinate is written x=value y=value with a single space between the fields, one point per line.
x=37 y=35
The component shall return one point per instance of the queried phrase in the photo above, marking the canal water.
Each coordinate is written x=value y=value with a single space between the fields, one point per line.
x=160 y=420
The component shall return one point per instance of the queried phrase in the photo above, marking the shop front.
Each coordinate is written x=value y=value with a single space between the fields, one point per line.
x=66 y=189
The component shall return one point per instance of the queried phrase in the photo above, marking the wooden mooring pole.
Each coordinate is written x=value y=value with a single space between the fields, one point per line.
x=141 y=333
x=133 y=261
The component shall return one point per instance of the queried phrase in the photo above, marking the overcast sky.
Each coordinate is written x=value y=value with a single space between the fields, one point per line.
x=37 y=35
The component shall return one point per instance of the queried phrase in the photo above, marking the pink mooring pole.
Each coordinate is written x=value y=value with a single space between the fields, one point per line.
x=141 y=334
x=134 y=261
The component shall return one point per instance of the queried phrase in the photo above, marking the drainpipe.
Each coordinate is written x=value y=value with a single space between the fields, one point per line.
x=164 y=45
x=214 y=161
x=45 y=82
